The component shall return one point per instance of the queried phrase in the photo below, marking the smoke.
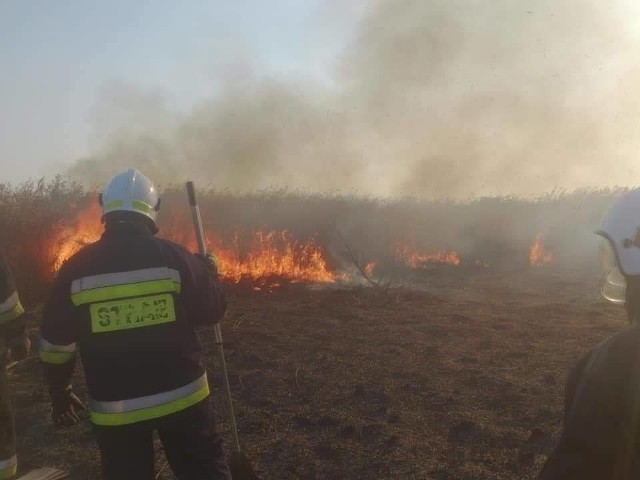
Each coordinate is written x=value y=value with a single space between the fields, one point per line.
x=432 y=98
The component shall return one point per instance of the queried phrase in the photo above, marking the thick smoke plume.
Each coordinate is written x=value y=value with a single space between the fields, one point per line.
x=433 y=98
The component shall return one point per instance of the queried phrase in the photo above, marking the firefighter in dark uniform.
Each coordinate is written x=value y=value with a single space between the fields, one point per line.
x=130 y=304
x=601 y=434
x=14 y=345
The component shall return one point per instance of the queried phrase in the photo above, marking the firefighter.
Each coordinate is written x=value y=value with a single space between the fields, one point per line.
x=14 y=345
x=601 y=432
x=130 y=304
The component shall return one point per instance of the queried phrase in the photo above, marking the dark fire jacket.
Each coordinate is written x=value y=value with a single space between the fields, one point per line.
x=601 y=435
x=129 y=304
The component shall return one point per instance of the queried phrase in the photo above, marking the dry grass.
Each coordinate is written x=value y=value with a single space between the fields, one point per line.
x=456 y=375
x=498 y=231
x=459 y=377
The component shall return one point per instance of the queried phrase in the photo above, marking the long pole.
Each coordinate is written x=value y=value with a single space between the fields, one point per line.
x=202 y=247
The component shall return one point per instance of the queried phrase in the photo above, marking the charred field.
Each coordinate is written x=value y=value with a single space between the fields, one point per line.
x=458 y=377
x=452 y=367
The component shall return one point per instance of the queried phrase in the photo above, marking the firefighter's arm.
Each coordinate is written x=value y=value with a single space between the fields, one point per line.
x=12 y=322
x=58 y=351
x=205 y=295
x=571 y=386
x=597 y=403
x=58 y=334
x=587 y=447
x=17 y=339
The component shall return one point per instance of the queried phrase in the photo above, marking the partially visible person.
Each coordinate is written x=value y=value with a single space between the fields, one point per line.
x=601 y=432
x=131 y=302
x=14 y=345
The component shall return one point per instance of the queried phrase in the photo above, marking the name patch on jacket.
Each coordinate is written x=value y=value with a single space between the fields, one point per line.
x=132 y=313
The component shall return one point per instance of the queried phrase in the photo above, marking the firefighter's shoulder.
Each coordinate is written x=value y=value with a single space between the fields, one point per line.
x=79 y=258
x=617 y=353
x=179 y=250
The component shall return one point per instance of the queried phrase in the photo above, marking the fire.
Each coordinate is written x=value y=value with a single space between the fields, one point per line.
x=538 y=253
x=369 y=268
x=419 y=260
x=262 y=255
x=85 y=229
x=258 y=256
x=414 y=259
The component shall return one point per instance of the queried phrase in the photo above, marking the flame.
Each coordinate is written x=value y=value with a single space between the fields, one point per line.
x=258 y=256
x=418 y=260
x=538 y=254
x=85 y=229
x=414 y=259
x=369 y=268
x=261 y=255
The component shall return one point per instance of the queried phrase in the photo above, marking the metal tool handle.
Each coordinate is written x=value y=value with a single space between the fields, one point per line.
x=202 y=247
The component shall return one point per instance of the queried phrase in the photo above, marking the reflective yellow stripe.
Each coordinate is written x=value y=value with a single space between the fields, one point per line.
x=143 y=207
x=114 y=204
x=8 y=468
x=102 y=294
x=8 y=473
x=57 y=354
x=124 y=278
x=132 y=283
x=10 y=302
x=126 y=418
x=12 y=314
x=57 y=358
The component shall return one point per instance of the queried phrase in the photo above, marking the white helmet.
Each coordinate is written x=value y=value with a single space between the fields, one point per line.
x=620 y=251
x=130 y=191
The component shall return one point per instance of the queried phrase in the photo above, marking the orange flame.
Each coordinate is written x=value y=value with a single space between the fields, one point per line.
x=418 y=260
x=369 y=268
x=271 y=254
x=260 y=256
x=85 y=229
x=414 y=259
x=538 y=254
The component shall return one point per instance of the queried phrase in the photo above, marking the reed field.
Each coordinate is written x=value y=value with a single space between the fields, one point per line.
x=366 y=338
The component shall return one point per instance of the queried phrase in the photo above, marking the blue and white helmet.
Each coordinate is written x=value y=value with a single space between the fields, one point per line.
x=620 y=250
x=130 y=191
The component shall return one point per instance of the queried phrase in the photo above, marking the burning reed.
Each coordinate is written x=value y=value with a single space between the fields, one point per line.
x=284 y=236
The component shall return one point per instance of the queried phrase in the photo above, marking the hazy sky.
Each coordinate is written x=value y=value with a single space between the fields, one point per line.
x=432 y=98
x=58 y=57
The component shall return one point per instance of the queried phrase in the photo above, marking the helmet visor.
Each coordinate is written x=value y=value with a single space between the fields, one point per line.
x=613 y=284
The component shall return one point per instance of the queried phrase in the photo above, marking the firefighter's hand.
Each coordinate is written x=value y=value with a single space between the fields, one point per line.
x=20 y=347
x=211 y=260
x=65 y=407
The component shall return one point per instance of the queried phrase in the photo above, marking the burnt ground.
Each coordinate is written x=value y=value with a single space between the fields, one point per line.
x=458 y=377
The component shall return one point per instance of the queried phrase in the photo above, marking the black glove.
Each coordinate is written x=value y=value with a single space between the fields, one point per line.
x=16 y=339
x=65 y=403
x=20 y=347
x=211 y=260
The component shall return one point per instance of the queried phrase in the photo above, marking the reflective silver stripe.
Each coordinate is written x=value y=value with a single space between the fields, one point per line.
x=121 y=278
x=132 y=404
x=10 y=303
x=10 y=463
x=45 y=346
